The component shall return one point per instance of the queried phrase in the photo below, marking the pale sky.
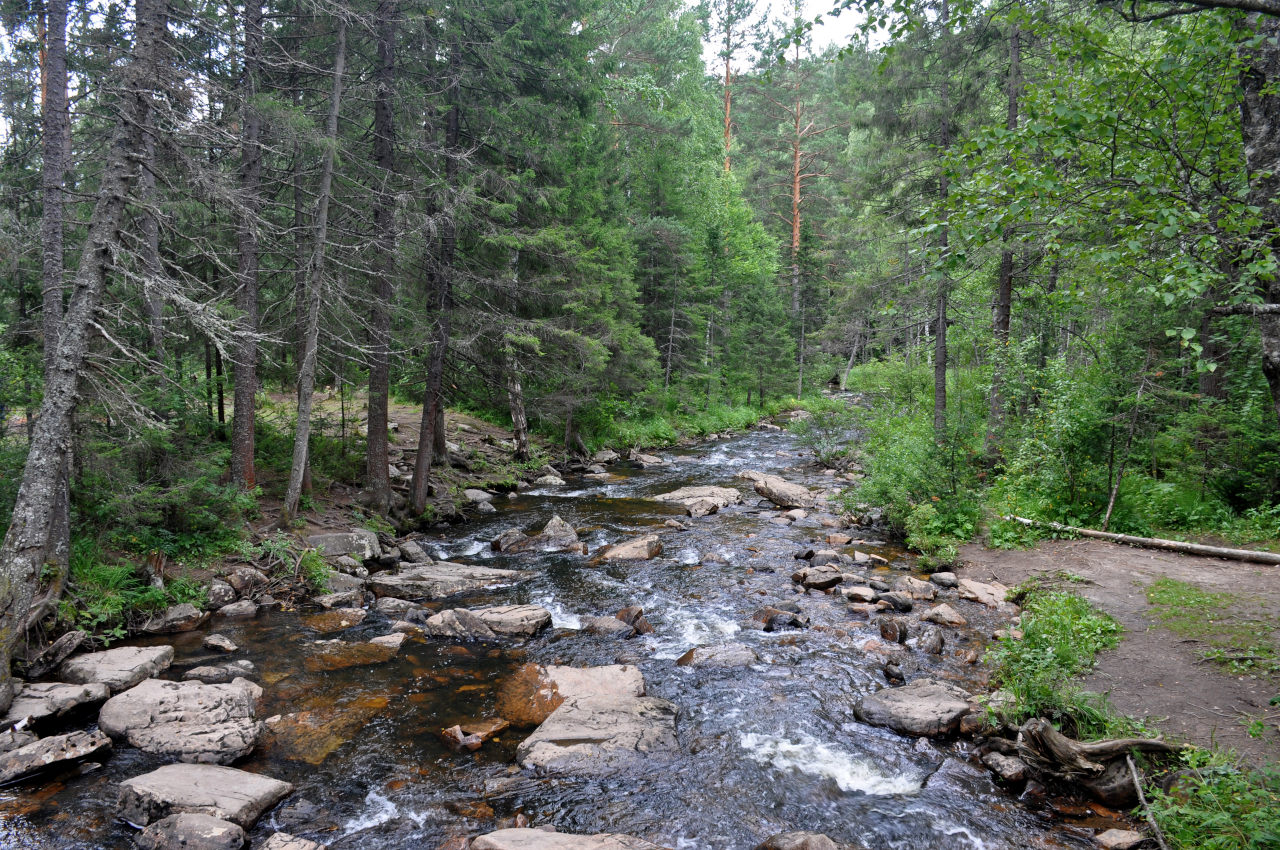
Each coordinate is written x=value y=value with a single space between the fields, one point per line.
x=838 y=31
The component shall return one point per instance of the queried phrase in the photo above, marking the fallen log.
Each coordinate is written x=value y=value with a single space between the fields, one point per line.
x=1252 y=555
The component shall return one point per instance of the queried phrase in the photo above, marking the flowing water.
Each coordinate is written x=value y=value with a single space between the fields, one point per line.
x=767 y=748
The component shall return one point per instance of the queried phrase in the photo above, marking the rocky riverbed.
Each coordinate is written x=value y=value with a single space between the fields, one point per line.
x=682 y=650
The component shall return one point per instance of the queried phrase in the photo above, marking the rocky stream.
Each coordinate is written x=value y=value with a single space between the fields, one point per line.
x=731 y=669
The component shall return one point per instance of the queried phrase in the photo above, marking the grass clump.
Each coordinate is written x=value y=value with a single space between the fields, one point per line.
x=1061 y=636
x=1240 y=643
x=1215 y=805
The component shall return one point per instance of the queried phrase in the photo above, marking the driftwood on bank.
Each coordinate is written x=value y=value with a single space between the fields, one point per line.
x=1201 y=549
x=1047 y=750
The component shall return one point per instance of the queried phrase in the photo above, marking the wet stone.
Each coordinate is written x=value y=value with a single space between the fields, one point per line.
x=515 y=620
x=900 y=602
x=393 y=607
x=915 y=588
x=536 y=839
x=641 y=549
x=119 y=669
x=285 y=841
x=218 y=674
x=601 y=734
x=798 y=841
x=893 y=629
x=925 y=707
x=944 y=579
x=51 y=753
x=312 y=736
x=245 y=609
x=219 y=643
x=1008 y=768
x=609 y=627
x=335 y=620
x=945 y=615
x=191 y=721
x=822 y=577
x=533 y=692
x=191 y=831
x=339 y=582
x=441 y=579
x=337 y=655
x=43 y=701
x=723 y=655
x=221 y=792
x=175 y=618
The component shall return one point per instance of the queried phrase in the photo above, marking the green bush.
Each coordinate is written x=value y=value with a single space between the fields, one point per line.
x=1217 y=806
x=828 y=434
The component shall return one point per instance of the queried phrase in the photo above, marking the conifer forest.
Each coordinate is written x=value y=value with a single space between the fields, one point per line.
x=398 y=345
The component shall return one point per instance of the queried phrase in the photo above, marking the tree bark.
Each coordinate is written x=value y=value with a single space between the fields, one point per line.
x=1260 y=123
x=27 y=543
x=315 y=292
x=244 y=369
x=152 y=302
x=515 y=401
x=378 y=478
x=944 y=284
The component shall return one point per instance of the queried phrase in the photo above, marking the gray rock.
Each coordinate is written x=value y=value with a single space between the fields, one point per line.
x=783 y=493
x=537 y=839
x=393 y=607
x=798 y=841
x=459 y=624
x=219 y=643
x=11 y=739
x=645 y=461
x=900 y=602
x=476 y=497
x=485 y=508
x=441 y=579
x=609 y=627
x=1119 y=839
x=925 y=707
x=716 y=497
x=700 y=508
x=944 y=579
x=246 y=580
x=220 y=674
x=931 y=641
x=860 y=594
x=221 y=792
x=347 y=599
x=640 y=549
x=392 y=641
x=945 y=615
x=359 y=543
x=191 y=721
x=119 y=669
x=285 y=841
x=43 y=701
x=175 y=618
x=771 y=618
x=340 y=582
x=413 y=552
x=606 y=456
x=245 y=609
x=818 y=578
x=1008 y=768
x=602 y=734
x=549 y=481
x=348 y=565
x=514 y=620
x=49 y=753
x=722 y=655
x=990 y=595
x=915 y=588
x=219 y=593
x=190 y=831
x=824 y=556
x=556 y=536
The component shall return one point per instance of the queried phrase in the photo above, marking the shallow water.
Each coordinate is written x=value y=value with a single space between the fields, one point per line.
x=764 y=749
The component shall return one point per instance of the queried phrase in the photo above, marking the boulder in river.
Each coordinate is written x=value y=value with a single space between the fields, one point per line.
x=640 y=549
x=458 y=624
x=219 y=643
x=245 y=609
x=556 y=536
x=601 y=734
x=119 y=669
x=609 y=627
x=990 y=595
x=441 y=579
x=190 y=831
x=285 y=841
x=50 y=753
x=925 y=708
x=720 y=655
x=533 y=692
x=220 y=674
x=514 y=620
x=945 y=615
x=40 y=702
x=359 y=543
x=219 y=593
x=915 y=588
x=191 y=721
x=175 y=618
x=944 y=579
x=781 y=492
x=714 y=497
x=798 y=841
x=772 y=618
x=221 y=792
x=524 y=838
x=818 y=578
x=605 y=456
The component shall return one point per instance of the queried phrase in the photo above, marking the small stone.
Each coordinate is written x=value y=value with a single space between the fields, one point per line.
x=798 y=841
x=860 y=594
x=175 y=618
x=945 y=615
x=944 y=579
x=1008 y=768
x=245 y=609
x=1119 y=839
x=641 y=549
x=900 y=602
x=245 y=580
x=220 y=674
x=392 y=641
x=893 y=629
x=219 y=593
x=461 y=741
x=219 y=643
x=285 y=841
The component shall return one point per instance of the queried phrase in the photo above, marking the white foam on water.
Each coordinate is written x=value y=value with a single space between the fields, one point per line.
x=561 y=617
x=379 y=810
x=688 y=557
x=811 y=756
x=691 y=628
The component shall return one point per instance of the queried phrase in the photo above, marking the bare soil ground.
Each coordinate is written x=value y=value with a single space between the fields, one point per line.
x=1155 y=674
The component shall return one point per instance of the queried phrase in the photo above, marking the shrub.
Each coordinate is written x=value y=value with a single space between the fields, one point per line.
x=1217 y=806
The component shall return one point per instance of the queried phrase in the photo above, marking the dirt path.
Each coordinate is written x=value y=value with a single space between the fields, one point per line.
x=1154 y=673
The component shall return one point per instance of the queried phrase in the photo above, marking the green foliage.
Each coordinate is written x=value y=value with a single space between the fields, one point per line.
x=1216 y=805
x=315 y=570
x=827 y=433
x=107 y=596
x=1061 y=635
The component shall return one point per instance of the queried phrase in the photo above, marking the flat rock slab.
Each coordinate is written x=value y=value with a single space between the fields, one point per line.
x=441 y=579
x=48 y=753
x=533 y=692
x=590 y=736
x=721 y=497
x=221 y=674
x=781 y=492
x=926 y=707
x=360 y=544
x=191 y=831
x=724 y=655
x=915 y=588
x=285 y=841
x=119 y=669
x=640 y=549
x=335 y=620
x=191 y=721
x=337 y=655
x=44 y=701
x=221 y=792
x=537 y=839
x=798 y=841
x=988 y=594
x=312 y=736
x=514 y=620
x=458 y=624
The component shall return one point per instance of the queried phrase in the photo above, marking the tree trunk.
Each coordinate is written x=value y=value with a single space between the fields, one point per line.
x=152 y=303
x=244 y=369
x=378 y=479
x=26 y=547
x=442 y=284
x=944 y=284
x=1260 y=122
x=515 y=400
x=315 y=292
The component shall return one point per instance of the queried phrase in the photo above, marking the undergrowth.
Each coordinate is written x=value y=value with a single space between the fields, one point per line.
x=1216 y=805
